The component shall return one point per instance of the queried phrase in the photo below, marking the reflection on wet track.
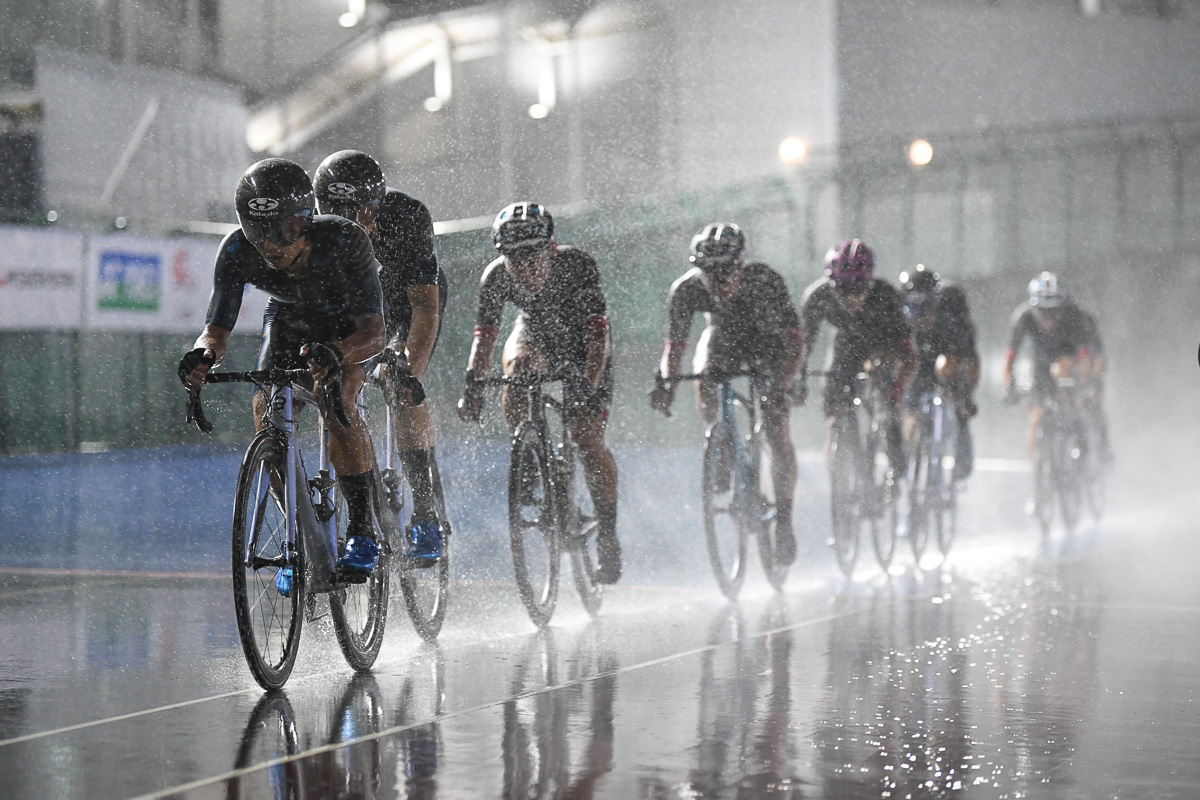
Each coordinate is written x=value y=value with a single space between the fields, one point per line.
x=1008 y=671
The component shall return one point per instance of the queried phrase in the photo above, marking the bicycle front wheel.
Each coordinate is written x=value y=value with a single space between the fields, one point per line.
x=1068 y=474
x=268 y=604
x=846 y=491
x=425 y=586
x=947 y=491
x=765 y=516
x=922 y=488
x=533 y=523
x=578 y=531
x=884 y=488
x=724 y=527
x=359 y=610
x=1043 y=478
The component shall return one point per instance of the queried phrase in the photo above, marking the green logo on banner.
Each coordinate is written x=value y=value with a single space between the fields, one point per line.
x=129 y=282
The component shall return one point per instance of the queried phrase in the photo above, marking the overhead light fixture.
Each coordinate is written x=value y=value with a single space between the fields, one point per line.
x=539 y=110
x=920 y=153
x=358 y=10
x=792 y=150
x=434 y=104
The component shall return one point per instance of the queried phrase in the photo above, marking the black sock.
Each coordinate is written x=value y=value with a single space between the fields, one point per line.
x=357 y=491
x=606 y=516
x=418 y=467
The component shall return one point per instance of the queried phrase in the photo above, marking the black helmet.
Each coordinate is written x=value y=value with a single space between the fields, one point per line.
x=274 y=202
x=719 y=245
x=921 y=279
x=920 y=289
x=522 y=226
x=346 y=180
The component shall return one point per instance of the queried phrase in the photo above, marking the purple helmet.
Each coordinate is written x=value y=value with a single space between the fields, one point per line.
x=850 y=264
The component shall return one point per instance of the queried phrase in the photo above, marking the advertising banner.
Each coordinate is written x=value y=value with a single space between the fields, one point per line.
x=41 y=279
x=159 y=285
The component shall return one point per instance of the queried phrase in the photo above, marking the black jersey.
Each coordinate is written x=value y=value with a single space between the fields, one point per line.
x=750 y=321
x=1072 y=333
x=556 y=317
x=951 y=333
x=407 y=257
x=338 y=282
x=879 y=325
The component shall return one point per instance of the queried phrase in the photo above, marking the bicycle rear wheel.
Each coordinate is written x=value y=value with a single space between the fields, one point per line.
x=425 y=586
x=578 y=530
x=846 y=491
x=533 y=523
x=359 y=610
x=724 y=525
x=268 y=623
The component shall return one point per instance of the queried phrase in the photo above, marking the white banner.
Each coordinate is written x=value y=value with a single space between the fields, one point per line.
x=41 y=279
x=155 y=285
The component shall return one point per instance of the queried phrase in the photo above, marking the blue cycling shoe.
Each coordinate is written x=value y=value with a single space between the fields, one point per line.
x=425 y=540
x=283 y=581
x=360 y=557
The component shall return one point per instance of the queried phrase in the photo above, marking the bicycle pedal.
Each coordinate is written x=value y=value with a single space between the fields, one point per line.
x=356 y=578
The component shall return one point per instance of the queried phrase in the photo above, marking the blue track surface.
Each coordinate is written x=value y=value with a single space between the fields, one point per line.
x=170 y=509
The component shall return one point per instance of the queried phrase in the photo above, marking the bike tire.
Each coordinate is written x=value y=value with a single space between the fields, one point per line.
x=269 y=624
x=886 y=490
x=578 y=528
x=946 y=513
x=845 y=491
x=533 y=524
x=270 y=734
x=359 y=610
x=1070 y=451
x=425 y=586
x=721 y=499
x=1043 y=479
x=763 y=515
x=919 y=490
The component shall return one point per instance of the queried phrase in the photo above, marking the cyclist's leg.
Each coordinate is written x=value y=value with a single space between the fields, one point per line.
x=353 y=456
x=960 y=374
x=891 y=377
x=415 y=445
x=586 y=426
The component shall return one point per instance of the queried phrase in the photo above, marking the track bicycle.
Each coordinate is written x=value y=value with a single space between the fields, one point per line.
x=549 y=508
x=1060 y=456
x=424 y=584
x=932 y=490
x=864 y=488
x=737 y=487
x=288 y=530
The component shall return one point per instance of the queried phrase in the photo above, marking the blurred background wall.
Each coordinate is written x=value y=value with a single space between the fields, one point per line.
x=1062 y=135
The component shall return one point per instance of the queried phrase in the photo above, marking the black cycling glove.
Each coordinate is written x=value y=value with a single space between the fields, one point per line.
x=191 y=360
x=326 y=356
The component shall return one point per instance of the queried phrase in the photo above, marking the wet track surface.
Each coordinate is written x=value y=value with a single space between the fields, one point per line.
x=1010 y=670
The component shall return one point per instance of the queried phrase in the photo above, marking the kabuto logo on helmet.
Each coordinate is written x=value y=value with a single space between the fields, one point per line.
x=263 y=206
x=342 y=191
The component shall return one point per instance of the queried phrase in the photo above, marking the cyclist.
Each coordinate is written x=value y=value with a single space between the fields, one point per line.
x=325 y=312
x=944 y=335
x=1093 y=394
x=872 y=333
x=1061 y=338
x=350 y=184
x=751 y=320
x=562 y=325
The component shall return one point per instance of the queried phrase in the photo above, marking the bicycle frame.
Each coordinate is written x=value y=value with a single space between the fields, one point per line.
x=314 y=519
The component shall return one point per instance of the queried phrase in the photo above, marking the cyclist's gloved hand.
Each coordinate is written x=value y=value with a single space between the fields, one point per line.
x=470 y=405
x=662 y=395
x=324 y=360
x=194 y=366
x=406 y=387
x=583 y=396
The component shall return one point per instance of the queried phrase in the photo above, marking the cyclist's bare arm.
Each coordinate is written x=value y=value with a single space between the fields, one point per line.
x=366 y=341
x=597 y=349
x=422 y=328
x=479 y=362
